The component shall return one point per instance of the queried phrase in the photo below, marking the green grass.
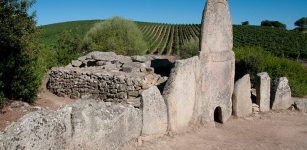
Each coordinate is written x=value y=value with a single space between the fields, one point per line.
x=50 y=34
x=256 y=60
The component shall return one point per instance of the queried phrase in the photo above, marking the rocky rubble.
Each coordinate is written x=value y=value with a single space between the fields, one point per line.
x=105 y=76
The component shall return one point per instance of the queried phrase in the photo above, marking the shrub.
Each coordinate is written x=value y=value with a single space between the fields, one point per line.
x=256 y=60
x=68 y=48
x=19 y=50
x=2 y=97
x=115 y=34
x=189 y=48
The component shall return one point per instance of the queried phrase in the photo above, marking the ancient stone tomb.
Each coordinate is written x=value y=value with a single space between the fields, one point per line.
x=105 y=76
x=122 y=98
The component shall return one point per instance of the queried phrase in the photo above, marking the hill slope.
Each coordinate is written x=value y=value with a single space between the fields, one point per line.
x=169 y=38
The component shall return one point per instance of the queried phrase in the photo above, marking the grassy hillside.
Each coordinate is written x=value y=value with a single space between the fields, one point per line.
x=50 y=33
x=169 y=38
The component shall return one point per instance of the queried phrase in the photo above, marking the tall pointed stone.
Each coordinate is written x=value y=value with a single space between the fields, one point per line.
x=216 y=33
x=217 y=63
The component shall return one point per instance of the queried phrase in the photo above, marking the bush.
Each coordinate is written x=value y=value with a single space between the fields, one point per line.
x=116 y=34
x=256 y=60
x=68 y=48
x=189 y=48
x=2 y=97
x=19 y=77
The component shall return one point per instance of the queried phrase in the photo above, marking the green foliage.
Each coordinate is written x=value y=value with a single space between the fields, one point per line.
x=190 y=48
x=291 y=44
x=302 y=23
x=19 y=78
x=68 y=48
x=245 y=23
x=273 y=24
x=116 y=34
x=256 y=60
x=2 y=97
x=52 y=33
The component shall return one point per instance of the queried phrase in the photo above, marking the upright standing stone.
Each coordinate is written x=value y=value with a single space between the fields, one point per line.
x=217 y=63
x=281 y=94
x=154 y=112
x=263 y=89
x=242 y=102
x=180 y=93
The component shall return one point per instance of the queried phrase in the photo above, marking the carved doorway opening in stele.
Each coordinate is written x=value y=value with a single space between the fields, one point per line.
x=218 y=115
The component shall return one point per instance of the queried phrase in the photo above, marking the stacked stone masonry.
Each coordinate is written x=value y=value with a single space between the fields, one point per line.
x=104 y=76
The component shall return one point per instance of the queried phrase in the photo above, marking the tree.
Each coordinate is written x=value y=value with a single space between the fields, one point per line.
x=18 y=47
x=116 y=34
x=301 y=22
x=273 y=24
x=68 y=48
x=245 y=23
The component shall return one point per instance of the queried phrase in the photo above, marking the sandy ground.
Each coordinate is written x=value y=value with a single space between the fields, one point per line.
x=17 y=109
x=271 y=131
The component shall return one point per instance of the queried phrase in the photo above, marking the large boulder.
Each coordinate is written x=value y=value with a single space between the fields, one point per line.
x=263 y=89
x=180 y=93
x=281 y=94
x=300 y=104
x=241 y=100
x=39 y=130
x=84 y=125
x=154 y=112
x=100 y=126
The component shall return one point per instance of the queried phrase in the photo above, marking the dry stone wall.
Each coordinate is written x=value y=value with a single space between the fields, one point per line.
x=104 y=76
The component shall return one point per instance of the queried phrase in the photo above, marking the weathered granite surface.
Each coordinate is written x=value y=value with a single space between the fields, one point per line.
x=181 y=92
x=281 y=94
x=241 y=100
x=300 y=104
x=199 y=86
x=217 y=62
x=84 y=125
x=263 y=89
x=154 y=112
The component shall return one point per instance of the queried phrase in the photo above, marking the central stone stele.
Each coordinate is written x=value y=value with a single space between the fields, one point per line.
x=217 y=63
x=199 y=89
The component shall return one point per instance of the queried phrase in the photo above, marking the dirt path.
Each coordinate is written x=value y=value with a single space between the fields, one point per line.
x=17 y=109
x=271 y=131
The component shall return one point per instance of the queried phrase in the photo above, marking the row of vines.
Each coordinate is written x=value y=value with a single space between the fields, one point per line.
x=167 y=39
